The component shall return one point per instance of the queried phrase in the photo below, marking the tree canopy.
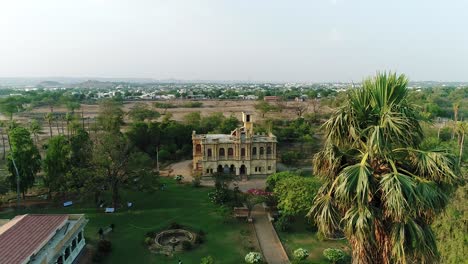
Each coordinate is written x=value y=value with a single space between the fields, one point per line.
x=25 y=155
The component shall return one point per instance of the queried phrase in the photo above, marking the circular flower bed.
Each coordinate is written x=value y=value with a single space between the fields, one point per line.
x=174 y=239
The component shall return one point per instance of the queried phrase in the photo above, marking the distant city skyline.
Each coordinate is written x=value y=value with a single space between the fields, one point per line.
x=259 y=41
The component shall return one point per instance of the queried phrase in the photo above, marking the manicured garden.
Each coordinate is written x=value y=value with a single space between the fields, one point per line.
x=178 y=203
x=301 y=235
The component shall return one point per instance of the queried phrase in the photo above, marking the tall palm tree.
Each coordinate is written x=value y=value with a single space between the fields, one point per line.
x=3 y=131
x=36 y=129
x=380 y=188
x=462 y=130
x=49 y=117
x=456 y=108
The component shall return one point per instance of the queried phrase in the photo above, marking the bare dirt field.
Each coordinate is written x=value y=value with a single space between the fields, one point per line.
x=227 y=107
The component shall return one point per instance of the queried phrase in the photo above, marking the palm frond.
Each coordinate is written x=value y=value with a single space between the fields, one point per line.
x=326 y=214
x=398 y=194
x=354 y=184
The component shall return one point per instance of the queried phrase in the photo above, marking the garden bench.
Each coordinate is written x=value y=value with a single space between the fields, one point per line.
x=109 y=210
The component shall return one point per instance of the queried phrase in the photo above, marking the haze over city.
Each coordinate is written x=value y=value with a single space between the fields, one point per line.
x=234 y=40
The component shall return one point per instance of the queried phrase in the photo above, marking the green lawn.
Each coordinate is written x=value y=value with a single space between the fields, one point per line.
x=300 y=237
x=183 y=204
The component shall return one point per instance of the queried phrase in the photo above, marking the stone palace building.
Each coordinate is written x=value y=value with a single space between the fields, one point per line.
x=242 y=152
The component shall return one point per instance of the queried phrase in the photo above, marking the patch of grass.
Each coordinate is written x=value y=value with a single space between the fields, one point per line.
x=152 y=211
x=300 y=236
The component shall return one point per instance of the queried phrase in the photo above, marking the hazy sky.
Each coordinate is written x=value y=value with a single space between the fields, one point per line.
x=263 y=40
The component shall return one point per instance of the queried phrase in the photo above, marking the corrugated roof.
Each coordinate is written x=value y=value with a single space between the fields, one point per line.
x=27 y=235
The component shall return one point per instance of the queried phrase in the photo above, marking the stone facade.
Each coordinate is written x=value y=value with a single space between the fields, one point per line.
x=242 y=152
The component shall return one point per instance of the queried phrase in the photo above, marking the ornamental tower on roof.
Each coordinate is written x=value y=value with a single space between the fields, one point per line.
x=242 y=153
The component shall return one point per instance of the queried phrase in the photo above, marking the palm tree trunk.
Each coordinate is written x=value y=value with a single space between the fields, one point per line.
x=461 y=149
x=3 y=144
x=68 y=129
x=82 y=119
x=58 y=128
x=50 y=126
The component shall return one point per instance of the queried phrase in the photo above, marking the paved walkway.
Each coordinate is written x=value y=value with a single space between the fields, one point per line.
x=271 y=246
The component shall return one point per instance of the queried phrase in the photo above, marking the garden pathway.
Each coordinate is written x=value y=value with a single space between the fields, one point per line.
x=271 y=246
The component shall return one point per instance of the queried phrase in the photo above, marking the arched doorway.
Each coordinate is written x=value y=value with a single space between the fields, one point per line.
x=232 y=169
x=219 y=169
x=243 y=170
x=226 y=169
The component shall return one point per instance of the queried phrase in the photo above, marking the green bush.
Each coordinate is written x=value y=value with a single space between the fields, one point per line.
x=164 y=105
x=207 y=260
x=274 y=178
x=193 y=104
x=300 y=254
x=175 y=225
x=149 y=241
x=186 y=245
x=196 y=182
x=200 y=237
x=219 y=196
x=283 y=224
x=334 y=254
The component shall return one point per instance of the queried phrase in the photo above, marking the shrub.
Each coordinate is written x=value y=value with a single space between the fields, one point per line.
x=149 y=241
x=300 y=254
x=175 y=225
x=334 y=254
x=219 y=196
x=151 y=234
x=283 y=224
x=196 y=182
x=186 y=245
x=179 y=178
x=290 y=157
x=225 y=213
x=253 y=257
x=104 y=246
x=207 y=260
x=193 y=104
x=200 y=237
x=273 y=179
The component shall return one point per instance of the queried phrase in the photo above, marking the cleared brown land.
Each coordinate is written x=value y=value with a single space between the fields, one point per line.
x=227 y=107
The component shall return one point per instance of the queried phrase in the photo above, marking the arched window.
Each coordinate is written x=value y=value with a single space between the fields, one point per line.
x=73 y=246
x=254 y=151
x=230 y=151
x=198 y=149
x=221 y=152
x=80 y=236
x=242 y=152
x=67 y=253
x=209 y=153
x=268 y=150
x=261 y=150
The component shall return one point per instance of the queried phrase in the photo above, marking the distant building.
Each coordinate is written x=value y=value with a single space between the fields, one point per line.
x=271 y=98
x=42 y=239
x=242 y=152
